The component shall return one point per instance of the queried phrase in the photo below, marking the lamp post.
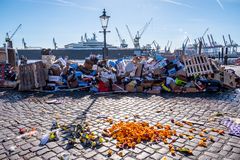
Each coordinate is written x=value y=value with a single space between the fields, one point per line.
x=104 y=21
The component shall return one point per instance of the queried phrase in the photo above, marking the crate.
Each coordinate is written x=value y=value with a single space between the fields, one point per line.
x=197 y=65
x=32 y=76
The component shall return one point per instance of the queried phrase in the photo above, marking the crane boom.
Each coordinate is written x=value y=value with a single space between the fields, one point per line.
x=225 y=42
x=15 y=31
x=230 y=39
x=130 y=34
x=145 y=27
x=119 y=36
x=209 y=40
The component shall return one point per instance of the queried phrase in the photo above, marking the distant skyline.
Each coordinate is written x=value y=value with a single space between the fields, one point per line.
x=68 y=20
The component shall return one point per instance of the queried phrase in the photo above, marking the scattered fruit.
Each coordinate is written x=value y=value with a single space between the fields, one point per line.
x=211 y=139
x=185 y=150
x=109 y=152
x=190 y=137
x=202 y=143
x=201 y=134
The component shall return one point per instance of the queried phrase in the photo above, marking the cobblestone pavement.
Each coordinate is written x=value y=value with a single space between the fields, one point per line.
x=30 y=110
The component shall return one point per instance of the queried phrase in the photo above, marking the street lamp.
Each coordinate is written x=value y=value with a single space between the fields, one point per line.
x=104 y=21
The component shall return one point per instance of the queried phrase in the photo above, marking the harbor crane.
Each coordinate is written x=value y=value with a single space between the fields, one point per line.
x=138 y=35
x=8 y=38
x=28 y=47
x=54 y=43
x=168 y=46
x=185 y=42
x=209 y=39
x=24 y=43
x=157 y=46
x=123 y=43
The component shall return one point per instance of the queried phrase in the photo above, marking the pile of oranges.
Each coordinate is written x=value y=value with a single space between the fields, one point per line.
x=128 y=134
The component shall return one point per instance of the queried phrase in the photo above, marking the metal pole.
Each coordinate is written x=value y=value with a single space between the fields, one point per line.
x=105 y=44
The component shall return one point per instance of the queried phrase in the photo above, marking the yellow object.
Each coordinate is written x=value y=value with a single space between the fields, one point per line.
x=165 y=88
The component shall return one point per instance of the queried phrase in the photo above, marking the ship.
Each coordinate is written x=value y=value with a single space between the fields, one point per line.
x=80 y=50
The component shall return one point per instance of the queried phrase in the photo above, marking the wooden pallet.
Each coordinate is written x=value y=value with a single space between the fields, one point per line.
x=32 y=76
x=2 y=74
x=197 y=65
x=227 y=78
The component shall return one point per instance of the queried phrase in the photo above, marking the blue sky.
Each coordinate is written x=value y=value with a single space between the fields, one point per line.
x=67 y=20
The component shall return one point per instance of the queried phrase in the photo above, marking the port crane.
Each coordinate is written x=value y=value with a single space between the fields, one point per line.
x=138 y=35
x=123 y=43
x=8 y=38
x=54 y=43
x=168 y=46
x=28 y=47
x=157 y=46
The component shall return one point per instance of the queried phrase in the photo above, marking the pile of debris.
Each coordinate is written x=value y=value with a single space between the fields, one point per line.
x=8 y=76
x=148 y=74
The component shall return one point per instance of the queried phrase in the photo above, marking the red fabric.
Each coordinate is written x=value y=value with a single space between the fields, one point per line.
x=102 y=87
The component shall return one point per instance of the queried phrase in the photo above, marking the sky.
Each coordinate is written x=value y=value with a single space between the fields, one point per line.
x=68 y=20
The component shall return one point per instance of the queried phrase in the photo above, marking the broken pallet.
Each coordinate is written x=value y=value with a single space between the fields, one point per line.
x=197 y=65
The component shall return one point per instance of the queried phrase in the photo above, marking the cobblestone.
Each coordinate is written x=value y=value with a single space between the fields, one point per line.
x=30 y=110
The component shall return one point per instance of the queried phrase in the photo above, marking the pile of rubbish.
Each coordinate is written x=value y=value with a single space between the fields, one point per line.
x=148 y=74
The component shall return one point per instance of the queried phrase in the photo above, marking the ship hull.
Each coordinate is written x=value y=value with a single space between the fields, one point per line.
x=35 y=54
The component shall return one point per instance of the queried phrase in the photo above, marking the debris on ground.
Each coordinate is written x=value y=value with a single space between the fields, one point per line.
x=233 y=125
x=73 y=134
x=148 y=74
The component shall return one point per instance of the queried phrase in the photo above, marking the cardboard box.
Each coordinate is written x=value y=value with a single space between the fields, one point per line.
x=130 y=88
x=191 y=90
x=54 y=78
x=139 y=88
x=139 y=70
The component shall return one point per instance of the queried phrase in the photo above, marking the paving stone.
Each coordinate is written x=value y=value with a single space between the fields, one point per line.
x=37 y=148
x=141 y=146
x=29 y=155
x=48 y=155
x=211 y=154
x=227 y=148
x=52 y=145
x=163 y=150
x=204 y=157
x=26 y=146
x=236 y=150
x=129 y=158
x=57 y=150
x=156 y=156
x=136 y=150
x=214 y=149
x=223 y=153
x=102 y=149
x=115 y=157
x=218 y=145
x=14 y=157
x=149 y=150
x=54 y=158
x=90 y=154
x=234 y=156
x=3 y=156
x=36 y=158
x=142 y=155
x=99 y=157
x=22 y=153
x=42 y=151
